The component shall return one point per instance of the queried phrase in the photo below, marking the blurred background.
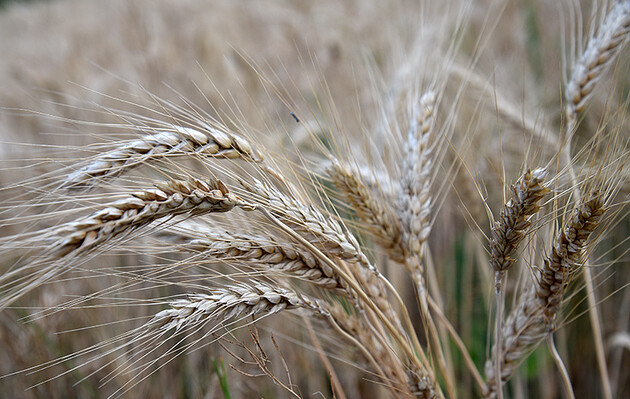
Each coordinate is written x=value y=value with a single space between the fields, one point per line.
x=64 y=61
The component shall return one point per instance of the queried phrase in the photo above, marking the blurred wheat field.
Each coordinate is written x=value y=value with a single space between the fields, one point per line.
x=356 y=199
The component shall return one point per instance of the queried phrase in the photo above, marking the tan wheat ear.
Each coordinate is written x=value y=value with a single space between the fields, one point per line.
x=322 y=231
x=378 y=216
x=268 y=254
x=600 y=53
x=567 y=253
x=415 y=199
x=206 y=142
x=227 y=303
x=507 y=234
x=191 y=197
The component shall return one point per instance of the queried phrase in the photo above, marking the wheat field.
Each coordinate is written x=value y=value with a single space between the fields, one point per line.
x=358 y=199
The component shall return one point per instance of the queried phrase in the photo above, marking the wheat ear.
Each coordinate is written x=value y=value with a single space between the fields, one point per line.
x=414 y=212
x=415 y=201
x=600 y=53
x=191 y=197
x=533 y=316
x=269 y=253
x=226 y=303
x=567 y=253
x=323 y=232
x=176 y=140
x=379 y=218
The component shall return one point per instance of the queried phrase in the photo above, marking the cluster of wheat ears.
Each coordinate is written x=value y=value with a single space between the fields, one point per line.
x=206 y=232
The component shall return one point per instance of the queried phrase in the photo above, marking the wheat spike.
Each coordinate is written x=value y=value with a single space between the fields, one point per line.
x=226 y=303
x=178 y=140
x=323 y=232
x=567 y=252
x=192 y=197
x=414 y=209
x=379 y=218
x=529 y=321
x=515 y=219
x=600 y=53
x=268 y=253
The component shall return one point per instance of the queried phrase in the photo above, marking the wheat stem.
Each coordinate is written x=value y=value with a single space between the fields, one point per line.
x=564 y=374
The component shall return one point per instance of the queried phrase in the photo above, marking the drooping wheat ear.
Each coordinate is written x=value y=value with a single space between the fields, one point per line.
x=532 y=318
x=414 y=209
x=268 y=253
x=227 y=303
x=177 y=140
x=325 y=233
x=566 y=255
x=380 y=219
x=600 y=53
x=515 y=219
x=191 y=197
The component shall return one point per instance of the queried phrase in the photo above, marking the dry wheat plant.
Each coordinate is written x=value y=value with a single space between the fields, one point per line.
x=355 y=199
